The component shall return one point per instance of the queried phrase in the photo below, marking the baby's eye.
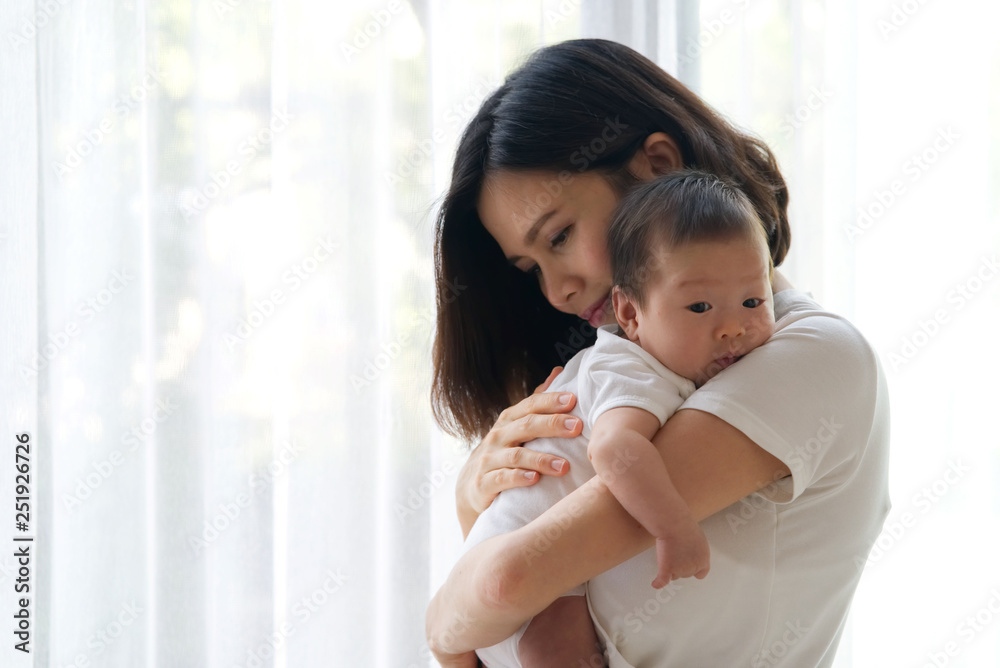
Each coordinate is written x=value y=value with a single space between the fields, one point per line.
x=534 y=271
x=699 y=307
x=753 y=302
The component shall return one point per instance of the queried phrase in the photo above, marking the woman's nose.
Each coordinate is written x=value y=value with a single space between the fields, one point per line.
x=560 y=288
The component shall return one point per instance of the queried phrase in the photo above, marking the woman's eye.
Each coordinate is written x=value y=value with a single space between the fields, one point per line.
x=557 y=240
x=700 y=307
x=560 y=238
x=753 y=302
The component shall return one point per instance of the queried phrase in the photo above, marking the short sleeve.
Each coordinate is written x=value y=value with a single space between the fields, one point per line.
x=807 y=396
x=619 y=373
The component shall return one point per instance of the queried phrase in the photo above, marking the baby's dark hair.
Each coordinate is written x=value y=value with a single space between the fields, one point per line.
x=682 y=207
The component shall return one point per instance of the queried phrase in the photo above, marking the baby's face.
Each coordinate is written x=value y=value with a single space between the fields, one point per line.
x=709 y=304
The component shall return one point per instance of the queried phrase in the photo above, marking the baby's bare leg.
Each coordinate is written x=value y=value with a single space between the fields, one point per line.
x=561 y=636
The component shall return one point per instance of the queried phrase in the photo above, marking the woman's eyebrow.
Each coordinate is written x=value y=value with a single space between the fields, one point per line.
x=532 y=234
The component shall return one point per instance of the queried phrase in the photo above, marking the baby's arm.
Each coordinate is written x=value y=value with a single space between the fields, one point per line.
x=628 y=463
x=561 y=635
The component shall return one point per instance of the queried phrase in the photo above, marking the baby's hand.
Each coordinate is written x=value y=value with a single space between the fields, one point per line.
x=680 y=554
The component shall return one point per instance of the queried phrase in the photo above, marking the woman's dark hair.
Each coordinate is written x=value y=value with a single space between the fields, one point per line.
x=687 y=206
x=581 y=105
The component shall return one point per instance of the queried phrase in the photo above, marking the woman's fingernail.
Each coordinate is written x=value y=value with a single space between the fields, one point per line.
x=571 y=424
x=530 y=475
x=558 y=465
x=564 y=399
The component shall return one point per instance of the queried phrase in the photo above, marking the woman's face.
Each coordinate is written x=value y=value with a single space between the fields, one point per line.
x=556 y=228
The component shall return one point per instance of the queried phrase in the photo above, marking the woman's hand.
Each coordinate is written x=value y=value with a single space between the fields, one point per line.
x=499 y=463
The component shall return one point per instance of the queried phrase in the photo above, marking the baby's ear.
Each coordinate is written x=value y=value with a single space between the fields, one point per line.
x=625 y=312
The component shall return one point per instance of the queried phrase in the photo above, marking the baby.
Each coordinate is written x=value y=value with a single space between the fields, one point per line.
x=692 y=273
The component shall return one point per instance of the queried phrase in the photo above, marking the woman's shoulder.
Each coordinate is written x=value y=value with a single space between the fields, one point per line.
x=815 y=365
x=791 y=306
x=807 y=333
x=816 y=375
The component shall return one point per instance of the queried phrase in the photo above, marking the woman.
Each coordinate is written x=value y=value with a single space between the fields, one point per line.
x=782 y=457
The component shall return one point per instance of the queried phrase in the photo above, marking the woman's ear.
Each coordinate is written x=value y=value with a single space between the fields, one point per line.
x=659 y=154
x=625 y=312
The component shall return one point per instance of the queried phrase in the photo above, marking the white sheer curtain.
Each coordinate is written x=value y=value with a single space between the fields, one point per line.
x=218 y=305
x=216 y=282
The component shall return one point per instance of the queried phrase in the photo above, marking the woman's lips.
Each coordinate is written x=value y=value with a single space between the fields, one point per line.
x=594 y=314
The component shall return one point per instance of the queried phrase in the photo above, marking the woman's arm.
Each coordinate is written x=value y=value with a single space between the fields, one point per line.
x=499 y=584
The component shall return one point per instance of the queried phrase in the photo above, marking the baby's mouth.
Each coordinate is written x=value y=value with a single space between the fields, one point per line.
x=727 y=360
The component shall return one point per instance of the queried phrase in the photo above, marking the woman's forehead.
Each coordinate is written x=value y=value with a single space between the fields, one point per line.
x=505 y=204
x=514 y=205
x=521 y=193
x=509 y=189
x=521 y=197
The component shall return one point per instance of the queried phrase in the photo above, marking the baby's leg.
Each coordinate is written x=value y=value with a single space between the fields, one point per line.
x=562 y=636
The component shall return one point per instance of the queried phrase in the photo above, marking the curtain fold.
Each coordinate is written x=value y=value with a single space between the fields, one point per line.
x=218 y=258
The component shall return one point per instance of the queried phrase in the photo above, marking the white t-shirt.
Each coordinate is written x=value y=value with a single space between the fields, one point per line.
x=614 y=372
x=785 y=560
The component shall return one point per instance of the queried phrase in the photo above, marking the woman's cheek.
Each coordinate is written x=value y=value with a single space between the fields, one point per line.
x=598 y=258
